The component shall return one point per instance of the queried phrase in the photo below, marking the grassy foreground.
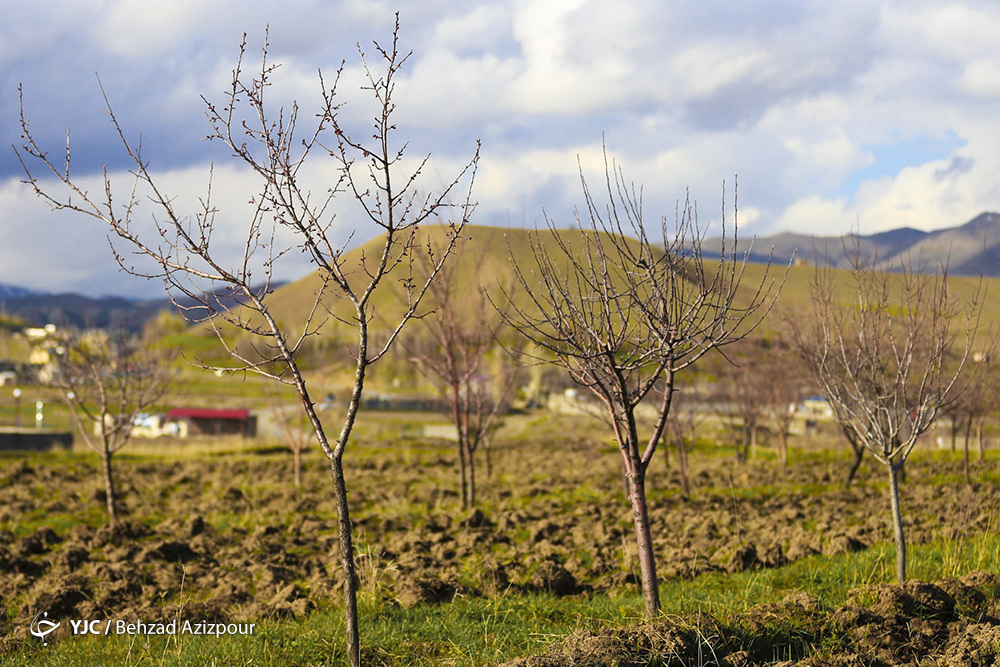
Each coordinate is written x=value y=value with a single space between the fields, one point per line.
x=486 y=631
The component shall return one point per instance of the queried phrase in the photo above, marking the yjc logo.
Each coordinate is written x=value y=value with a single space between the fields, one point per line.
x=41 y=627
x=83 y=627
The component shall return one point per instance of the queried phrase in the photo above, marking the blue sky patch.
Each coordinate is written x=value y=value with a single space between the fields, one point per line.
x=892 y=158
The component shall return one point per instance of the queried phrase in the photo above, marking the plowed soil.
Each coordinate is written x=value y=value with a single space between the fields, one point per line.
x=230 y=538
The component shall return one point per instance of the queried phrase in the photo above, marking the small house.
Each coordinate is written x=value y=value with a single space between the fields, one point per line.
x=210 y=421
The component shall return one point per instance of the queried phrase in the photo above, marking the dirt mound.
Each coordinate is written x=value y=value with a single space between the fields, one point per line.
x=661 y=643
x=889 y=625
x=551 y=577
x=410 y=592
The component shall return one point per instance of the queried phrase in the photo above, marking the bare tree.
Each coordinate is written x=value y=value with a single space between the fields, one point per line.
x=108 y=381
x=295 y=434
x=782 y=374
x=878 y=343
x=623 y=315
x=687 y=414
x=460 y=336
x=268 y=141
x=745 y=399
x=969 y=411
x=791 y=328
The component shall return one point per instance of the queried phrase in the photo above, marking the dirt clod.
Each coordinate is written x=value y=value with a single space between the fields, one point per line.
x=551 y=577
x=411 y=592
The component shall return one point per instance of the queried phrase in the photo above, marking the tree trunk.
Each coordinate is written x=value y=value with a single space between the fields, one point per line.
x=347 y=563
x=858 y=454
x=965 y=450
x=488 y=452
x=109 y=487
x=644 y=541
x=897 y=522
x=682 y=465
x=463 y=439
x=782 y=446
x=297 y=462
x=463 y=472
x=470 y=477
x=344 y=528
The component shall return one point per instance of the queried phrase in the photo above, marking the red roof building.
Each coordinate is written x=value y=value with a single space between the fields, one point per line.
x=211 y=421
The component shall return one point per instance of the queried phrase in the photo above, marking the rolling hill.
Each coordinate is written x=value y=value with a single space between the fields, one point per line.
x=483 y=260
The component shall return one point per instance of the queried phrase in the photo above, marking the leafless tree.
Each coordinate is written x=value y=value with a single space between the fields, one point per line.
x=623 y=315
x=108 y=381
x=459 y=337
x=687 y=414
x=969 y=411
x=784 y=383
x=269 y=142
x=295 y=434
x=745 y=397
x=784 y=397
x=792 y=328
x=878 y=343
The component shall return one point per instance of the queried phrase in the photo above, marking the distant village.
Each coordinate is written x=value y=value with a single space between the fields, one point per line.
x=46 y=349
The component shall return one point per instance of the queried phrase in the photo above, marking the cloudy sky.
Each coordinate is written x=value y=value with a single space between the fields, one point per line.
x=832 y=115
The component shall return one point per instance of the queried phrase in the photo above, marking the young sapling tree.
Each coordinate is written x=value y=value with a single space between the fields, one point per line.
x=196 y=266
x=624 y=311
x=459 y=337
x=108 y=381
x=879 y=344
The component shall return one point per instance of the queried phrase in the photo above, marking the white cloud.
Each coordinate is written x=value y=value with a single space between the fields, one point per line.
x=981 y=78
x=803 y=100
x=834 y=151
x=132 y=28
x=817 y=216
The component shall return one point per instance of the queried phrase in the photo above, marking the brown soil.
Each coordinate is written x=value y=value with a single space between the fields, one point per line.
x=230 y=538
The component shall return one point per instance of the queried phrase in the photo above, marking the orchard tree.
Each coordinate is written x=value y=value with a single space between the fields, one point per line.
x=968 y=413
x=624 y=315
x=687 y=414
x=459 y=339
x=108 y=381
x=879 y=345
x=783 y=381
x=270 y=142
x=294 y=431
x=745 y=396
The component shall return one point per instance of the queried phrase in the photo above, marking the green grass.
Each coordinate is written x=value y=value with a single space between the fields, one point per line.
x=485 y=631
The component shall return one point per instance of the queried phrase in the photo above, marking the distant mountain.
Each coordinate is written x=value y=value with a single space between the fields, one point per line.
x=15 y=292
x=82 y=312
x=968 y=249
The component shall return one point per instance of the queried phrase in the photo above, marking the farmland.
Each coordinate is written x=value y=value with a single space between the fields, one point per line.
x=759 y=562
x=216 y=531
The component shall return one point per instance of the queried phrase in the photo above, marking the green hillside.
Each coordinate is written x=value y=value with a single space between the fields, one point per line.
x=482 y=260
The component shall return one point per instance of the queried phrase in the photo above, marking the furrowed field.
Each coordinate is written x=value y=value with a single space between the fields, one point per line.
x=762 y=564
